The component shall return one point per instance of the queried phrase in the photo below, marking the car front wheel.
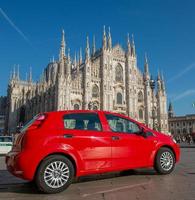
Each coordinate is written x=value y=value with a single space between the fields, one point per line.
x=55 y=174
x=165 y=161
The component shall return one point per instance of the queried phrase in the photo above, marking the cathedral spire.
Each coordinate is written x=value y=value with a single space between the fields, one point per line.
x=93 y=48
x=62 y=47
x=78 y=64
x=30 y=75
x=14 y=72
x=87 y=50
x=109 y=39
x=146 y=69
x=104 y=39
x=68 y=63
x=80 y=56
x=133 y=47
x=26 y=76
x=159 y=82
x=11 y=75
x=68 y=57
x=18 y=72
x=128 y=45
x=158 y=77
x=75 y=60
x=162 y=83
x=170 y=110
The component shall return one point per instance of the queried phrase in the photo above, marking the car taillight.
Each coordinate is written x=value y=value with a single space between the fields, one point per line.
x=41 y=117
x=38 y=122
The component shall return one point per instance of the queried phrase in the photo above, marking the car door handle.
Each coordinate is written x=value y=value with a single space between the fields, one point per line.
x=115 y=138
x=68 y=136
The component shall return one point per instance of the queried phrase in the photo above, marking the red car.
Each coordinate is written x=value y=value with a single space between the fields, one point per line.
x=55 y=147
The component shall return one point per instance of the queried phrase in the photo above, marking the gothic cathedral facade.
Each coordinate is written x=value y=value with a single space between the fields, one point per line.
x=106 y=79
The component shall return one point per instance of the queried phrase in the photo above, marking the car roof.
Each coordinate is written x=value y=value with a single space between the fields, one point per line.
x=84 y=111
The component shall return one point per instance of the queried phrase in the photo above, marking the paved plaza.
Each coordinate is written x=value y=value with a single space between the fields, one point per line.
x=139 y=184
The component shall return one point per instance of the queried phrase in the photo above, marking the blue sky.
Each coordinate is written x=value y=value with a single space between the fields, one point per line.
x=164 y=29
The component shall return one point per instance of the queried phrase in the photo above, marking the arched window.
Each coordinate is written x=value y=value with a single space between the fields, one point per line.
x=119 y=98
x=119 y=73
x=95 y=91
x=140 y=97
x=95 y=107
x=184 y=131
x=76 y=106
x=141 y=115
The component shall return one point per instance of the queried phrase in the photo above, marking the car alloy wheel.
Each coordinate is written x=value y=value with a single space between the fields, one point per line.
x=166 y=161
x=56 y=174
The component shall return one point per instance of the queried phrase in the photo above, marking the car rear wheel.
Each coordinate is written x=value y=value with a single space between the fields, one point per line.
x=165 y=161
x=55 y=174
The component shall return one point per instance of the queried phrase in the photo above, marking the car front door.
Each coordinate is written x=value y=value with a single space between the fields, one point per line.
x=84 y=132
x=129 y=149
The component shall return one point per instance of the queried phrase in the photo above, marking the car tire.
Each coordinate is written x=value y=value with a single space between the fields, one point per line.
x=54 y=174
x=164 y=161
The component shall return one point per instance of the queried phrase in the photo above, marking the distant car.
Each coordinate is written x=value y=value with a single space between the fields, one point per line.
x=55 y=147
x=5 y=144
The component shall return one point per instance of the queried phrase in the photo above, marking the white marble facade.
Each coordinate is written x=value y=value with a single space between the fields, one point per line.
x=107 y=79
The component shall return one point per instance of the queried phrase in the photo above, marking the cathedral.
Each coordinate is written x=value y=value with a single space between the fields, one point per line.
x=106 y=79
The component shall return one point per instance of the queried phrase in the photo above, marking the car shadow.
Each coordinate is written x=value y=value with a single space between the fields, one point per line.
x=110 y=175
x=9 y=183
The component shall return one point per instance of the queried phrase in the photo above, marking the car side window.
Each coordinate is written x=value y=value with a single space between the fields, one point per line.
x=119 y=124
x=82 y=121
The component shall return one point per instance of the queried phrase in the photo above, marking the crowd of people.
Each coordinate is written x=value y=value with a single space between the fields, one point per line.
x=184 y=139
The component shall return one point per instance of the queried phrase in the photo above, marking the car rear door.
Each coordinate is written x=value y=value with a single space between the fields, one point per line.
x=84 y=133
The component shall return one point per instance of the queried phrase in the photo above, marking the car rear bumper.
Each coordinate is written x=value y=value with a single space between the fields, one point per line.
x=16 y=165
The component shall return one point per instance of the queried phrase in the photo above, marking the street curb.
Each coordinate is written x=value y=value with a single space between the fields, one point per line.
x=187 y=146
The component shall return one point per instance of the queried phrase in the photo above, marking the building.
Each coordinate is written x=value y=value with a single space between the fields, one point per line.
x=108 y=79
x=180 y=125
x=3 y=101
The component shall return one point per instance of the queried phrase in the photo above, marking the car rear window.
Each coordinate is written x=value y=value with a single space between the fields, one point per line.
x=82 y=121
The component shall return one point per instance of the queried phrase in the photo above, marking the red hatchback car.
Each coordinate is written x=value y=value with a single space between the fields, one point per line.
x=55 y=147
